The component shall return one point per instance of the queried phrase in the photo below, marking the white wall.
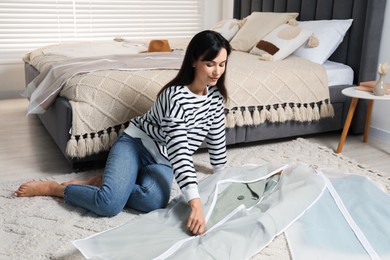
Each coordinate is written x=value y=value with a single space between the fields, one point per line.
x=380 y=122
x=213 y=12
x=11 y=80
x=216 y=10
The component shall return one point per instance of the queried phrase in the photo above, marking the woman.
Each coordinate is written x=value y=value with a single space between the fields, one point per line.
x=159 y=145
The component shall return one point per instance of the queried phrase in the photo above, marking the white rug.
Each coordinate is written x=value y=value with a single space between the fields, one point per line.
x=42 y=227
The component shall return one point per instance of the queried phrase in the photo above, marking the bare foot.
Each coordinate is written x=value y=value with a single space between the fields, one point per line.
x=94 y=181
x=40 y=188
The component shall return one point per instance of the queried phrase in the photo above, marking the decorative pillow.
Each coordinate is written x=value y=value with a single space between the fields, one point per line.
x=256 y=27
x=330 y=34
x=281 y=42
x=227 y=28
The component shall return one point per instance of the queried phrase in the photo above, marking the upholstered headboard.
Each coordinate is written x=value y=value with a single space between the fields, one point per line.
x=360 y=47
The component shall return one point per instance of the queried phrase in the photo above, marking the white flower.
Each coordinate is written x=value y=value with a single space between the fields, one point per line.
x=383 y=68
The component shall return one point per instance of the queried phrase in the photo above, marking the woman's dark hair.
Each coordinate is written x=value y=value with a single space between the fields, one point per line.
x=205 y=46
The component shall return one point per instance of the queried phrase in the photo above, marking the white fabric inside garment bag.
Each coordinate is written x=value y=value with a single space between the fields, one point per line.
x=241 y=233
x=350 y=221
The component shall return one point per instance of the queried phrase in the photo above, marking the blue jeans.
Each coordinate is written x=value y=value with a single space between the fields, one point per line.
x=131 y=179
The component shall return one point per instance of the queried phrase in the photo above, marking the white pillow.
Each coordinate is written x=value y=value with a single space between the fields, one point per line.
x=227 y=28
x=257 y=25
x=281 y=42
x=330 y=34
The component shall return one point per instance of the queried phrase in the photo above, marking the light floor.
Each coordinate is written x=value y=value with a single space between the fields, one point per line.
x=26 y=150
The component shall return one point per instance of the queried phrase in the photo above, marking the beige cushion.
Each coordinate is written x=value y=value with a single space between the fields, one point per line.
x=256 y=27
x=281 y=42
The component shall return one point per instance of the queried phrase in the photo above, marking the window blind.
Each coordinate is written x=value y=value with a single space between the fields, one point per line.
x=29 y=24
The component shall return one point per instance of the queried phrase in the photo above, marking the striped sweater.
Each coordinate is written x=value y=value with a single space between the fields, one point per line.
x=178 y=123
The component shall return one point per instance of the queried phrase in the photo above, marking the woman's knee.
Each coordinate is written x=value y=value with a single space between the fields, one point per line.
x=106 y=210
x=107 y=205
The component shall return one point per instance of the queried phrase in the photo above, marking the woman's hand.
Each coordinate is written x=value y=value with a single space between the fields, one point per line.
x=196 y=221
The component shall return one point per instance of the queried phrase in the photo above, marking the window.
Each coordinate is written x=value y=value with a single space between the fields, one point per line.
x=29 y=24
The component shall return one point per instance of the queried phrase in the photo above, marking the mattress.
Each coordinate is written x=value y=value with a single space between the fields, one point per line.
x=338 y=73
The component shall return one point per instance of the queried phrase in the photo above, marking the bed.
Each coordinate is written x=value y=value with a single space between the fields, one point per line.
x=356 y=56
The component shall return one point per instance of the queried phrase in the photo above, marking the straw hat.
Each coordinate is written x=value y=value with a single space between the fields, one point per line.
x=159 y=46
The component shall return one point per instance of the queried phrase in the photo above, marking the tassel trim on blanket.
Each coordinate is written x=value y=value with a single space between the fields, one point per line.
x=280 y=113
x=81 y=146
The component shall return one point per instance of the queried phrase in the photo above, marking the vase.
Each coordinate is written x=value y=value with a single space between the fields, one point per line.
x=380 y=88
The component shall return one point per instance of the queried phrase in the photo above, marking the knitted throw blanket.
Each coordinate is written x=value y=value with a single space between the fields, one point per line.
x=291 y=89
x=104 y=100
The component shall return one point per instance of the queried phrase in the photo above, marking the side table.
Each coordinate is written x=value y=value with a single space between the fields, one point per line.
x=356 y=95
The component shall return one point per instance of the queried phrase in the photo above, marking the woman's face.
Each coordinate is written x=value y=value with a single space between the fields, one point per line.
x=207 y=73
